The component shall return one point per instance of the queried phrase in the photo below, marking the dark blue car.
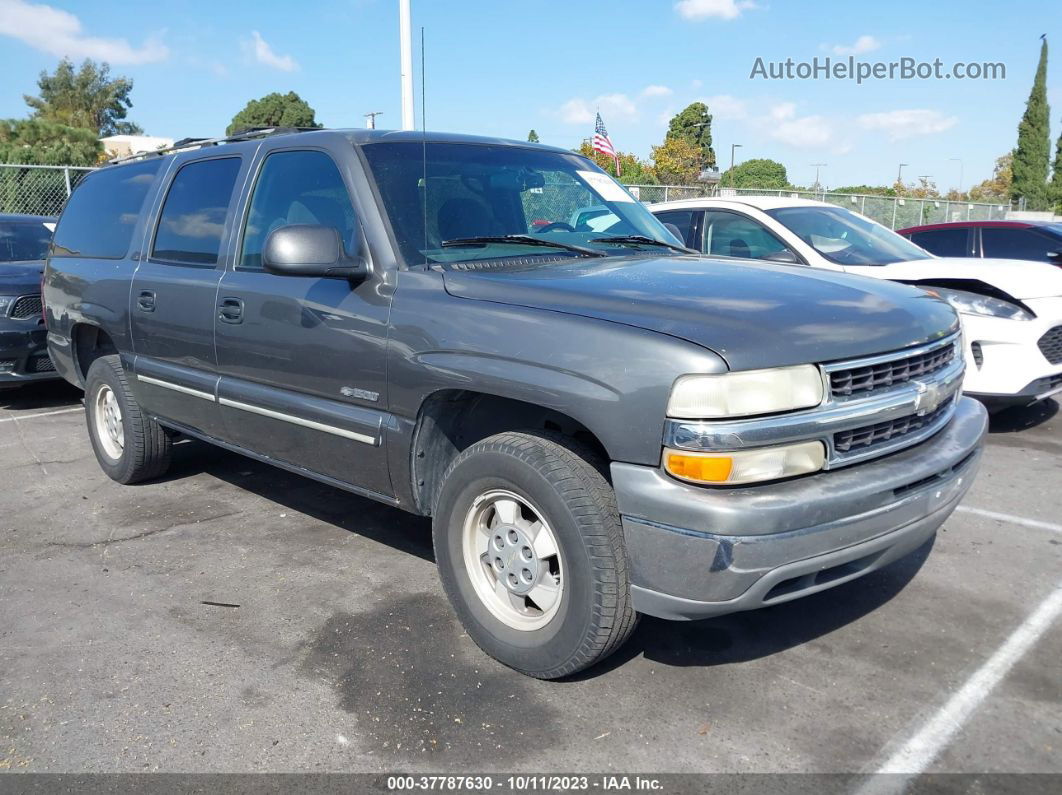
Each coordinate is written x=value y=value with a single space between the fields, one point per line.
x=24 y=241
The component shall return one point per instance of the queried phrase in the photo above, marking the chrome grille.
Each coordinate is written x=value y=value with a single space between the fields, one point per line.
x=862 y=379
x=870 y=435
x=26 y=307
x=1050 y=345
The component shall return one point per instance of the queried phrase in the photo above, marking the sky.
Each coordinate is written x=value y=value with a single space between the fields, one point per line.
x=503 y=67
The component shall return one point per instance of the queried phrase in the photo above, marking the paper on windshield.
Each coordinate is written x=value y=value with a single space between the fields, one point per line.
x=604 y=186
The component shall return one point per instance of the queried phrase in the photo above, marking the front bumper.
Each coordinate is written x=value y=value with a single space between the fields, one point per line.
x=23 y=353
x=698 y=552
x=1012 y=365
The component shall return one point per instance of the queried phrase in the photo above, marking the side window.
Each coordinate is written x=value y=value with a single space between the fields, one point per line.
x=683 y=221
x=733 y=235
x=193 y=217
x=297 y=188
x=99 y=218
x=943 y=242
x=1015 y=243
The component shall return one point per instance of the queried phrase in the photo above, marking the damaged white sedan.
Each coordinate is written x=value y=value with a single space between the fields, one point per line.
x=1011 y=309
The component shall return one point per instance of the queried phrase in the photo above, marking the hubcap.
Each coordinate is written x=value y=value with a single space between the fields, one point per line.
x=107 y=416
x=513 y=560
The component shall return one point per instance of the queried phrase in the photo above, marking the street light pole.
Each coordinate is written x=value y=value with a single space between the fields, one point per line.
x=732 y=148
x=899 y=173
x=405 y=46
x=959 y=161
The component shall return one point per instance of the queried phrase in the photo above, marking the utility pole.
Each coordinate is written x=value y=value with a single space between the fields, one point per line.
x=405 y=43
x=370 y=119
x=959 y=161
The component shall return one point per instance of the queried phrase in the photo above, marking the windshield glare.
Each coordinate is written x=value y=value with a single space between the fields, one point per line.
x=847 y=238
x=441 y=192
x=20 y=242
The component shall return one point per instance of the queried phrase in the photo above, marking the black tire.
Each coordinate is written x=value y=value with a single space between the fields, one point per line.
x=559 y=477
x=146 y=451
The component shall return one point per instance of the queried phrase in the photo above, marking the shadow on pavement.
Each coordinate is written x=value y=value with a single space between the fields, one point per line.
x=1022 y=418
x=46 y=395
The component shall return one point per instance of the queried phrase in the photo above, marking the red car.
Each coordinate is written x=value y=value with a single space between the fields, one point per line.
x=1035 y=240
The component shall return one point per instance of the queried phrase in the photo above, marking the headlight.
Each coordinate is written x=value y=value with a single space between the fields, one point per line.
x=744 y=393
x=5 y=303
x=746 y=466
x=974 y=304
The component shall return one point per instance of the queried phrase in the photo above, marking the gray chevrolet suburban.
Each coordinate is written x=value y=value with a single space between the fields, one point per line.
x=599 y=422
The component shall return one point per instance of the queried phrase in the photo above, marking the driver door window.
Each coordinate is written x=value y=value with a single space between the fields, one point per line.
x=733 y=235
x=297 y=188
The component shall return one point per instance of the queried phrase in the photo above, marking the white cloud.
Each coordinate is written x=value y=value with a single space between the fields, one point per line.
x=901 y=124
x=719 y=9
x=264 y=54
x=782 y=111
x=726 y=107
x=803 y=132
x=656 y=91
x=861 y=45
x=611 y=106
x=59 y=33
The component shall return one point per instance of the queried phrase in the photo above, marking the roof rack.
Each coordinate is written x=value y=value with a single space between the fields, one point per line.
x=246 y=134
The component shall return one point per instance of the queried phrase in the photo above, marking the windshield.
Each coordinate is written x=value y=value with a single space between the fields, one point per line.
x=23 y=241
x=442 y=192
x=847 y=238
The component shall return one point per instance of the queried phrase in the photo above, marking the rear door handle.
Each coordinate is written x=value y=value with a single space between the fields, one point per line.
x=230 y=310
x=146 y=301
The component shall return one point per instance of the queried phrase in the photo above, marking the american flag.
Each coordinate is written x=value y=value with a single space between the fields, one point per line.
x=603 y=144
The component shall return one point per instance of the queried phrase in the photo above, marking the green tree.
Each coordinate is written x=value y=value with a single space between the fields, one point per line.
x=274 y=110
x=868 y=190
x=694 y=124
x=38 y=142
x=1033 y=154
x=677 y=161
x=89 y=98
x=1056 y=177
x=756 y=173
x=998 y=187
x=532 y=137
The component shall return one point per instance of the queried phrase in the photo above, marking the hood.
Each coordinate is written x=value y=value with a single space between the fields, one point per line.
x=1019 y=278
x=753 y=315
x=20 y=278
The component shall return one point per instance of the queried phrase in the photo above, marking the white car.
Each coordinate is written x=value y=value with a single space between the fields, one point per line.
x=1011 y=309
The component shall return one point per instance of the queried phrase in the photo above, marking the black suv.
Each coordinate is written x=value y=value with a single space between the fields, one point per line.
x=24 y=243
x=599 y=422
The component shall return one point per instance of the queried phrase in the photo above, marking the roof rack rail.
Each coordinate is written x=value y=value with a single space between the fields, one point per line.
x=246 y=134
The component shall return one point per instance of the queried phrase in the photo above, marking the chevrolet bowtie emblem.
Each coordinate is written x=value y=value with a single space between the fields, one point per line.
x=928 y=397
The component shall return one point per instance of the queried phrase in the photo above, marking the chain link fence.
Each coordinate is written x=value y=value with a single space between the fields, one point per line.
x=891 y=211
x=43 y=190
x=37 y=190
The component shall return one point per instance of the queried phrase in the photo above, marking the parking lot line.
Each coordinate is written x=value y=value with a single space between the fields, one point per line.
x=915 y=755
x=41 y=414
x=1006 y=517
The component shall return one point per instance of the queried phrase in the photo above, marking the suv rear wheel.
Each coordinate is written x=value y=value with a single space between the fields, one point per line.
x=129 y=445
x=530 y=552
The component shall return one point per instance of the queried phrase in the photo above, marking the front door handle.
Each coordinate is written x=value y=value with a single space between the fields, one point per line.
x=230 y=310
x=146 y=301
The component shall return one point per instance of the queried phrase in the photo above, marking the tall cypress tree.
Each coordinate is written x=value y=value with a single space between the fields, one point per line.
x=1033 y=154
x=1056 y=178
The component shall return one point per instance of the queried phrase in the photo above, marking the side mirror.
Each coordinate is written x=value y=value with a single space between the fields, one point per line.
x=304 y=250
x=785 y=257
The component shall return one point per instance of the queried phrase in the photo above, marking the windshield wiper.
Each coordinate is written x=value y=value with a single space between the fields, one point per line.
x=521 y=240
x=642 y=240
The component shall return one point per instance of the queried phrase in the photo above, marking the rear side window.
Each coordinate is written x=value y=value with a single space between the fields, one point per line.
x=193 y=218
x=734 y=235
x=101 y=214
x=1016 y=243
x=943 y=242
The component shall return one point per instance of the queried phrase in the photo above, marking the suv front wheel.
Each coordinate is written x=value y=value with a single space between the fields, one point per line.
x=530 y=551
